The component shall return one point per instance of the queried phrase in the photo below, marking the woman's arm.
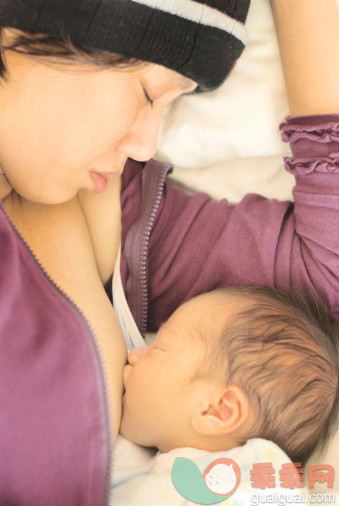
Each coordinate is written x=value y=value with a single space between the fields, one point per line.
x=308 y=37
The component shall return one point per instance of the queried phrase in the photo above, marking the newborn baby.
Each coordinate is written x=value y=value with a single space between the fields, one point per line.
x=234 y=364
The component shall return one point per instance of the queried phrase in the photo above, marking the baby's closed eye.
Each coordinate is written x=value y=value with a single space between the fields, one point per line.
x=157 y=349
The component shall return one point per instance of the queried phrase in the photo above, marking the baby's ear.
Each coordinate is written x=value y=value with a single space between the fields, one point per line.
x=224 y=412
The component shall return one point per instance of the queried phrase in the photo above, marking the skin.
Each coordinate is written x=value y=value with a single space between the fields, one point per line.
x=171 y=400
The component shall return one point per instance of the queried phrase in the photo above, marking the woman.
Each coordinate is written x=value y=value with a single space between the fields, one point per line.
x=72 y=110
x=57 y=406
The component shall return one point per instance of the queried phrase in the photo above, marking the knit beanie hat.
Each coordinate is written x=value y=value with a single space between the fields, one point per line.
x=200 y=39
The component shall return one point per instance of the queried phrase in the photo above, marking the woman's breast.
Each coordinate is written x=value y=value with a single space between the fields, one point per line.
x=60 y=238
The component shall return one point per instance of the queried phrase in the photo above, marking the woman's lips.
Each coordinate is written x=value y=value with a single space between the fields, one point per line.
x=100 y=180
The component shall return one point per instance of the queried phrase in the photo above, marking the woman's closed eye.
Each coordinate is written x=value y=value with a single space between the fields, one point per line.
x=149 y=100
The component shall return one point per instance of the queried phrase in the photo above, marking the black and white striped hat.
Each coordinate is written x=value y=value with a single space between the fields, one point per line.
x=200 y=39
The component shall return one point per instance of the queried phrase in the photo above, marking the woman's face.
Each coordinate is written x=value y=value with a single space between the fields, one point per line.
x=59 y=124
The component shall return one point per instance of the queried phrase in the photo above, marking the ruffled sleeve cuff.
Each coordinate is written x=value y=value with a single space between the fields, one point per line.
x=314 y=142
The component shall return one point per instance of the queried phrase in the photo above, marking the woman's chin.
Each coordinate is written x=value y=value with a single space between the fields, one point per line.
x=50 y=198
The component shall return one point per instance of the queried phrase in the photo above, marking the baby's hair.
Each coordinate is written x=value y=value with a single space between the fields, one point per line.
x=282 y=350
x=63 y=51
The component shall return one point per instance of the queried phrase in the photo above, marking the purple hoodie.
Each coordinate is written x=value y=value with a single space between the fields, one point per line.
x=54 y=422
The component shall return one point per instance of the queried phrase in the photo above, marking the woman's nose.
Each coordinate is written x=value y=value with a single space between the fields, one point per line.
x=140 y=142
x=135 y=355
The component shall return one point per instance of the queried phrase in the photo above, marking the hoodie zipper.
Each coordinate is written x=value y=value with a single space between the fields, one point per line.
x=137 y=239
x=102 y=374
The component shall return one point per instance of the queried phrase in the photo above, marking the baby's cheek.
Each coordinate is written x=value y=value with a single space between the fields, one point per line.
x=135 y=421
x=127 y=425
x=132 y=401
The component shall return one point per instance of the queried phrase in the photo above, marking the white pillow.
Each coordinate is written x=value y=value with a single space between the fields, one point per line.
x=231 y=135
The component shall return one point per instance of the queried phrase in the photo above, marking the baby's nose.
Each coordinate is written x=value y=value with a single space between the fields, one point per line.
x=135 y=355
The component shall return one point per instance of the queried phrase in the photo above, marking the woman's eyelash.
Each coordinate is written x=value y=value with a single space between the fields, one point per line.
x=149 y=100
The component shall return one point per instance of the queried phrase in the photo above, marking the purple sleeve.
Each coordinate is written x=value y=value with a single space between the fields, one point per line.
x=198 y=244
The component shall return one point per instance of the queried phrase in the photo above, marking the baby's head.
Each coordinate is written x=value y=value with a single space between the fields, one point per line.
x=234 y=364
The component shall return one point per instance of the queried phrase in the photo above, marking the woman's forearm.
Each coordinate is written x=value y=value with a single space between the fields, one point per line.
x=308 y=36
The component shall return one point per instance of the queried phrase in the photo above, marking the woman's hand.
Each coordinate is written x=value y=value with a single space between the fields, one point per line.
x=308 y=36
